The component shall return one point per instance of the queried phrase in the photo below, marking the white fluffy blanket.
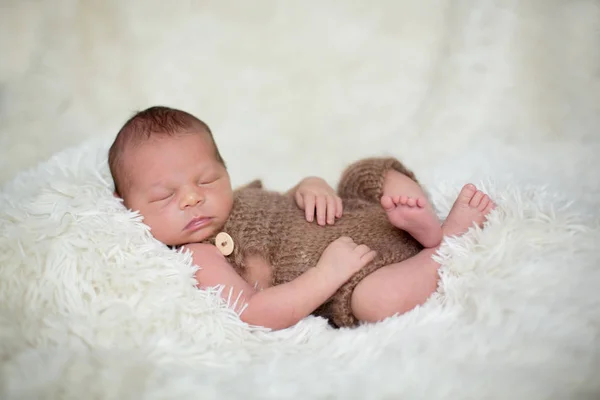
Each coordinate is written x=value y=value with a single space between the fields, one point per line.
x=501 y=93
x=93 y=306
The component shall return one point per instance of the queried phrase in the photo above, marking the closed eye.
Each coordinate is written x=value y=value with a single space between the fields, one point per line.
x=208 y=181
x=163 y=197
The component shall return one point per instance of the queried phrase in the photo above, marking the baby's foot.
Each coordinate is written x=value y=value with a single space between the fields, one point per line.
x=471 y=207
x=415 y=216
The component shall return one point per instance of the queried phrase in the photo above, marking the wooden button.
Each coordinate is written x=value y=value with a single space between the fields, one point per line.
x=224 y=243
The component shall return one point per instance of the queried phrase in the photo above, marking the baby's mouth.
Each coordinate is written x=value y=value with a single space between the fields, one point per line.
x=197 y=223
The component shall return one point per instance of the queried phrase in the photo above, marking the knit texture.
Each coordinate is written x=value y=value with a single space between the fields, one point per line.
x=270 y=224
x=364 y=179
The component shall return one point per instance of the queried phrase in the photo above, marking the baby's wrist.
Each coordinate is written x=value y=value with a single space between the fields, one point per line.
x=329 y=274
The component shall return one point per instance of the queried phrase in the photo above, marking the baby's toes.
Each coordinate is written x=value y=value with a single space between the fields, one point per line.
x=476 y=200
x=489 y=207
x=485 y=201
x=403 y=200
x=387 y=203
x=411 y=202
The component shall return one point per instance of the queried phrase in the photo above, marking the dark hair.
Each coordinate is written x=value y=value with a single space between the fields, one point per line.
x=152 y=122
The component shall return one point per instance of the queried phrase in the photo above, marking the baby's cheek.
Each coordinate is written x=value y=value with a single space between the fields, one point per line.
x=157 y=222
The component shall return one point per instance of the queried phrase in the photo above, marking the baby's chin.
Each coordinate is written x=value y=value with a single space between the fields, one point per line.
x=195 y=237
x=183 y=238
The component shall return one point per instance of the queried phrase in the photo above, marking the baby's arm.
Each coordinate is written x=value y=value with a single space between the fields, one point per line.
x=282 y=306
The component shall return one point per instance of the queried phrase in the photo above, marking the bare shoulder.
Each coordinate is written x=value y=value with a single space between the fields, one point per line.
x=214 y=269
x=207 y=256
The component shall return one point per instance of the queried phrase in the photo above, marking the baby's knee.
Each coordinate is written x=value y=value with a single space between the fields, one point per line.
x=373 y=304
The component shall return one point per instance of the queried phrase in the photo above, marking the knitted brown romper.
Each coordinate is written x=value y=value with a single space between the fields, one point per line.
x=270 y=224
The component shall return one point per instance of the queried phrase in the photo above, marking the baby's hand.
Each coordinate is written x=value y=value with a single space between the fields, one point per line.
x=314 y=194
x=343 y=258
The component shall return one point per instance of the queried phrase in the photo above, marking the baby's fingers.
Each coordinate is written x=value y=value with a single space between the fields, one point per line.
x=369 y=256
x=361 y=250
x=331 y=210
x=309 y=207
x=321 y=210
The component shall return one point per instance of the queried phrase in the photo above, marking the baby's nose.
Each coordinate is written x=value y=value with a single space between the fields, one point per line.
x=191 y=198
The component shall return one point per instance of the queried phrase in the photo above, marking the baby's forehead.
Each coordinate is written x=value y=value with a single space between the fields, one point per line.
x=131 y=151
x=131 y=154
x=142 y=146
x=147 y=148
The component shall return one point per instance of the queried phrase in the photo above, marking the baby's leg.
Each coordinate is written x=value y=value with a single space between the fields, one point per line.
x=398 y=288
x=408 y=209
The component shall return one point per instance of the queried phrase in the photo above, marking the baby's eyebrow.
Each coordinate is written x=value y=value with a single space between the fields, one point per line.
x=158 y=185
x=206 y=169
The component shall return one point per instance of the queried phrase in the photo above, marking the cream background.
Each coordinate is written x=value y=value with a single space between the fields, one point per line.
x=296 y=88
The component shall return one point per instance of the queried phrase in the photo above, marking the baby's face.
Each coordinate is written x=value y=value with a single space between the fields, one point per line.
x=176 y=183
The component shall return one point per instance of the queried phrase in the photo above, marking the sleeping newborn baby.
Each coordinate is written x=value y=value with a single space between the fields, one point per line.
x=371 y=259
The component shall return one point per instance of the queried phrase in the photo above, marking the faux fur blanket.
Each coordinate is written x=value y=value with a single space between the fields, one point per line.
x=92 y=306
x=502 y=93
